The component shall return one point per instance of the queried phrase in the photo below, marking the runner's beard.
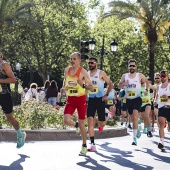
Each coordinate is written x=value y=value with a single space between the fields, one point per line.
x=92 y=67
x=163 y=80
x=132 y=70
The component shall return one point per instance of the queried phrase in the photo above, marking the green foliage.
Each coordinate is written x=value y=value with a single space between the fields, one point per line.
x=114 y=121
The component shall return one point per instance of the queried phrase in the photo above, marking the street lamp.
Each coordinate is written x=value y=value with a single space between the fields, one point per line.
x=102 y=51
x=17 y=69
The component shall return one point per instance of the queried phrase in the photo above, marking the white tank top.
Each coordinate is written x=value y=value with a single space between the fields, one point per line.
x=98 y=85
x=161 y=91
x=133 y=89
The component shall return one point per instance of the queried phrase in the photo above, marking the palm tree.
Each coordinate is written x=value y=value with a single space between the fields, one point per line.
x=153 y=17
x=14 y=12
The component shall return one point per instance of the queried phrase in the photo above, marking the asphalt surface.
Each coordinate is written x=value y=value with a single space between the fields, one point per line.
x=112 y=154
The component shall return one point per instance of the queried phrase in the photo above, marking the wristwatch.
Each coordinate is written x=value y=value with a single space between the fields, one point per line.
x=84 y=85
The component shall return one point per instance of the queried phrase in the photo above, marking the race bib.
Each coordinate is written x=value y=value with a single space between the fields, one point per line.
x=95 y=90
x=109 y=102
x=163 y=100
x=72 y=91
x=124 y=100
x=131 y=94
x=63 y=100
x=145 y=100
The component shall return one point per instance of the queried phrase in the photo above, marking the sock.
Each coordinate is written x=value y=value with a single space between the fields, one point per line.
x=77 y=125
x=162 y=141
x=134 y=133
x=149 y=128
x=19 y=133
x=84 y=145
x=92 y=139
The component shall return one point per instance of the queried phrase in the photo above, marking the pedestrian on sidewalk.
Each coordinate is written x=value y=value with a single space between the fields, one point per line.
x=7 y=77
x=76 y=80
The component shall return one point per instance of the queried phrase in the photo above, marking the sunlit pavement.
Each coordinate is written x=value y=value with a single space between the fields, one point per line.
x=112 y=153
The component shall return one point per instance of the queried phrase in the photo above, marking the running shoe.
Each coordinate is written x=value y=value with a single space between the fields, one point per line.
x=149 y=134
x=138 y=134
x=21 y=140
x=100 y=129
x=139 y=121
x=92 y=148
x=83 y=151
x=145 y=131
x=160 y=146
x=121 y=124
x=134 y=141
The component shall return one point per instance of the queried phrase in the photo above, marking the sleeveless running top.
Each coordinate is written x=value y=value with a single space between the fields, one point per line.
x=98 y=85
x=73 y=88
x=146 y=99
x=132 y=90
x=4 y=88
x=161 y=91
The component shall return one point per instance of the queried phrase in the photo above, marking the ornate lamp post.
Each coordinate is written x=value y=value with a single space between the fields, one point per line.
x=102 y=51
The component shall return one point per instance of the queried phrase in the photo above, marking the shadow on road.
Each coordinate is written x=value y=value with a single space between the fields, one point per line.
x=16 y=165
x=119 y=157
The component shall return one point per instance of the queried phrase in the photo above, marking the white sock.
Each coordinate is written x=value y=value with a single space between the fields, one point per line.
x=162 y=141
x=134 y=133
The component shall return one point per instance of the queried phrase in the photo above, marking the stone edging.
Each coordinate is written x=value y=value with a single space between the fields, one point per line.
x=62 y=134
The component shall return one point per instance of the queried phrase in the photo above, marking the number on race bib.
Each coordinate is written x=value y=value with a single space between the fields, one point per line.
x=95 y=90
x=109 y=102
x=131 y=94
x=163 y=100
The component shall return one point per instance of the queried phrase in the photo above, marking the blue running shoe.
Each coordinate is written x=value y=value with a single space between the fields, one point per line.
x=145 y=131
x=134 y=141
x=138 y=134
x=21 y=140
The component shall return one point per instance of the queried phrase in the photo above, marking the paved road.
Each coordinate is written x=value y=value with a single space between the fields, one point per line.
x=112 y=154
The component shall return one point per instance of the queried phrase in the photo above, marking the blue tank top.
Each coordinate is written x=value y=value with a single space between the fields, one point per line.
x=98 y=85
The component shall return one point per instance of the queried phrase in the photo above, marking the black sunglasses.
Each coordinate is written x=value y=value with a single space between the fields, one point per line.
x=132 y=65
x=91 y=62
x=157 y=78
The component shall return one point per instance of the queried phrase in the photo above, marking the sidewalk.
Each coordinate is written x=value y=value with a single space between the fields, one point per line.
x=108 y=132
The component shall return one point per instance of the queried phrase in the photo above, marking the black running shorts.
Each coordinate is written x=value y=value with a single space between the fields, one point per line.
x=164 y=112
x=133 y=104
x=6 y=103
x=96 y=104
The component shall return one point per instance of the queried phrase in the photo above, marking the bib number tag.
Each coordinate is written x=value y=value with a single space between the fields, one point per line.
x=163 y=100
x=124 y=100
x=72 y=91
x=109 y=102
x=95 y=90
x=131 y=94
x=145 y=100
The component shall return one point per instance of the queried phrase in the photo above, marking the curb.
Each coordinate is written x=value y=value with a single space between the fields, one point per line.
x=39 y=135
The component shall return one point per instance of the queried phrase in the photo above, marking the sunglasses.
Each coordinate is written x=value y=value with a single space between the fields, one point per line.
x=91 y=62
x=157 y=78
x=132 y=65
x=163 y=76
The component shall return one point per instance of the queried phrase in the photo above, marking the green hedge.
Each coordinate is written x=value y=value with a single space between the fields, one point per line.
x=32 y=115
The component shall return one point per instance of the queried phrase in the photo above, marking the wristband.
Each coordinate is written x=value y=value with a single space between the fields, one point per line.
x=107 y=94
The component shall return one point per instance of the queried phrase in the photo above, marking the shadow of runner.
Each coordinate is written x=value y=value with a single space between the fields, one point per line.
x=120 y=159
x=16 y=165
x=94 y=166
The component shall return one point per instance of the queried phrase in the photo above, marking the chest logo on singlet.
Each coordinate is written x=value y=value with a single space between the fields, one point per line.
x=72 y=83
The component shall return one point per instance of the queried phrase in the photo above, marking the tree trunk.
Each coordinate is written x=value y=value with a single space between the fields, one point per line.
x=151 y=60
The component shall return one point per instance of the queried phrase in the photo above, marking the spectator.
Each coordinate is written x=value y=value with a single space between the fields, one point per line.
x=52 y=93
x=32 y=92
x=40 y=95
x=46 y=85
